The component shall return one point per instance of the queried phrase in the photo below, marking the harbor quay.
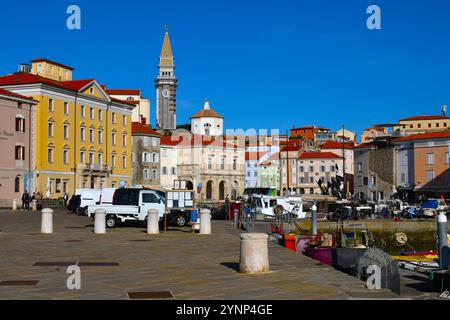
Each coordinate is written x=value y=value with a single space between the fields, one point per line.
x=128 y=263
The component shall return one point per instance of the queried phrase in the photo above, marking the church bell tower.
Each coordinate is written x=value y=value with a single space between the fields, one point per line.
x=166 y=88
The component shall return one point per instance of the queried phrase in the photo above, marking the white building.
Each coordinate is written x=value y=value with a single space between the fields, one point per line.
x=207 y=122
x=169 y=161
x=142 y=108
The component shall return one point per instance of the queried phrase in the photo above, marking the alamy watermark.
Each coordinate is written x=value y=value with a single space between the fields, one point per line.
x=374 y=280
x=374 y=20
x=73 y=21
x=74 y=280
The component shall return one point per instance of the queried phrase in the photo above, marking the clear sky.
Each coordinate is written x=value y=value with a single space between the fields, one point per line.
x=262 y=64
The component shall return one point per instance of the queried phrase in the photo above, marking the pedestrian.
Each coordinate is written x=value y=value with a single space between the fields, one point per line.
x=66 y=199
x=39 y=200
x=26 y=201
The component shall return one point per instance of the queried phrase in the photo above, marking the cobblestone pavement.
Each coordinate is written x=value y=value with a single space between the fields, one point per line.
x=189 y=266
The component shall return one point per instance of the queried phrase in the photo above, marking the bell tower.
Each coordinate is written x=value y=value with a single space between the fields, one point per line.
x=166 y=88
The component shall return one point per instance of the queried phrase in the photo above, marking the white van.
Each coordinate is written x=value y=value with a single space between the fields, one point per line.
x=88 y=198
x=106 y=197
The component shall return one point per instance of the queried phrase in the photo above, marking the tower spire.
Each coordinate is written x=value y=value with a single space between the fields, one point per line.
x=166 y=57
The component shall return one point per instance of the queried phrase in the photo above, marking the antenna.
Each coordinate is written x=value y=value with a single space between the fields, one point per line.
x=444 y=109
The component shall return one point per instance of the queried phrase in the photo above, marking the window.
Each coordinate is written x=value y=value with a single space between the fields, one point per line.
x=302 y=180
x=359 y=167
x=311 y=169
x=154 y=174
x=154 y=142
x=374 y=180
x=50 y=155
x=332 y=168
x=234 y=164
x=124 y=162
x=20 y=124
x=83 y=111
x=365 y=181
x=124 y=140
x=65 y=189
x=20 y=153
x=429 y=125
x=113 y=139
x=113 y=161
x=91 y=157
x=222 y=163
x=209 y=163
x=146 y=141
x=149 y=198
x=146 y=174
x=91 y=113
x=302 y=169
x=164 y=170
x=430 y=158
x=437 y=125
x=173 y=170
x=100 y=136
x=83 y=134
x=447 y=158
x=66 y=156
x=91 y=135
x=311 y=179
x=322 y=168
x=155 y=158
x=51 y=105
x=81 y=156
x=100 y=115
x=66 y=131
x=50 y=129
x=419 y=125
x=113 y=117
x=124 y=120
x=430 y=176
x=66 y=108
x=100 y=159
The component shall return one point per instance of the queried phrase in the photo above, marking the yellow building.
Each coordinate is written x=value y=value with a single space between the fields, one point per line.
x=83 y=136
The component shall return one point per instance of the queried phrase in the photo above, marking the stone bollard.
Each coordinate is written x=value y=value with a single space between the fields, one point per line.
x=34 y=205
x=14 y=205
x=153 y=222
x=205 y=221
x=314 y=219
x=47 y=221
x=254 y=253
x=100 y=221
x=442 y=231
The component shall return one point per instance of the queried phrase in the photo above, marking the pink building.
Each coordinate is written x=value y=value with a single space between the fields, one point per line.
x=17 y=134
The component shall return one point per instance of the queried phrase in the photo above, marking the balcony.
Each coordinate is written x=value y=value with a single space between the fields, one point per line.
x=91 y=168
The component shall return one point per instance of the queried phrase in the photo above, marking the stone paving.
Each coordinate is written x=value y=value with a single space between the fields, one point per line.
x=190 y=266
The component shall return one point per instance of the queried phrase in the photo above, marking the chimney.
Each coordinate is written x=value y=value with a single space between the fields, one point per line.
x=143 y=120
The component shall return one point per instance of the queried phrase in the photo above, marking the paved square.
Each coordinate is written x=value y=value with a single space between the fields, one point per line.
x=126 y=260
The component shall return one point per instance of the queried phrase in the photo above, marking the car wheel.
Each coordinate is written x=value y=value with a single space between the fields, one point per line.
x=180 y=220
x=111 y=222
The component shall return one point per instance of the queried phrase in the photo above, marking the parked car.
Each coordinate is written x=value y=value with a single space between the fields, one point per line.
x=74 y=202
x=88 y=198
x=106 y=196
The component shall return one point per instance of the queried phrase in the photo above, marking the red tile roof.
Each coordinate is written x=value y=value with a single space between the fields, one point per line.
x=137 y=127
x=363 y=145
x=425 y=136
x=123 y=92
x=8 y=93
x=129 y=102
x=319 y=155
x=52 y=62
x=206 y=114
x=254 y=156
x=424 y=117
x=337 y=145
x=28 y=78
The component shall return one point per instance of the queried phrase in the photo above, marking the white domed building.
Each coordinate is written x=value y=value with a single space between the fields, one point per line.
x=207 y=122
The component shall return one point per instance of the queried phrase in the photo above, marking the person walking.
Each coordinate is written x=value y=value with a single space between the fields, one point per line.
x=39 y=200
x=66 y=199
x=26 y=201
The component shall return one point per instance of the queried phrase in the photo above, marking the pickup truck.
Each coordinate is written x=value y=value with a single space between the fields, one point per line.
x=132 y=204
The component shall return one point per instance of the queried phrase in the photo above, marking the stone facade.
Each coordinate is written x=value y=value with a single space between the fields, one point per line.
x=17 y=134
x=146 y=155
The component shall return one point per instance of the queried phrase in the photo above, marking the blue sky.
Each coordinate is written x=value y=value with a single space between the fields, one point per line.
x=262 y=64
